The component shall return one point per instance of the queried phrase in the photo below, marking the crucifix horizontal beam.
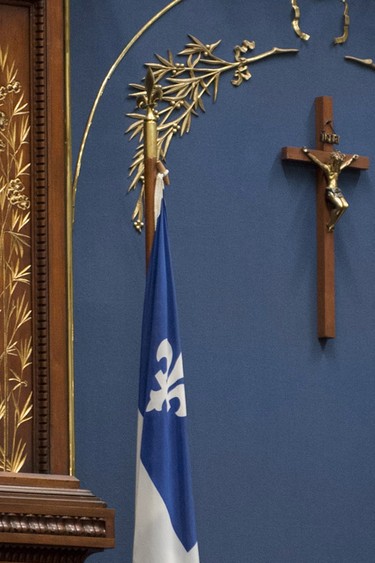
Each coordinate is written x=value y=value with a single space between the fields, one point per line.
x=330 y=205
x=294 y=153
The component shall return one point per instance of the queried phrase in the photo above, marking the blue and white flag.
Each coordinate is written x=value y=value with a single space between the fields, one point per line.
x=164 y=516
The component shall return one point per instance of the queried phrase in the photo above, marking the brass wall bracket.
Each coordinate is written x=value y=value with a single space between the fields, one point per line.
x=16 y=395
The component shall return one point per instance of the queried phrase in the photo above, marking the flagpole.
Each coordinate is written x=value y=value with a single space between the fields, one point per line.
x=150 y=156
x=164 y=509
x=149 y=101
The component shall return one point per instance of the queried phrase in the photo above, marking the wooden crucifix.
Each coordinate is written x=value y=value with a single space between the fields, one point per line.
x=330 y=204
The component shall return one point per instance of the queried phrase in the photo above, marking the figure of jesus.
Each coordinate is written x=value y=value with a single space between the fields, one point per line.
x=332 y=170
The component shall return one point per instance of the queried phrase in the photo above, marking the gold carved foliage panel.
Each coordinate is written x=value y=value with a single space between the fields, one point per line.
x=15 y=267
x=24 y=382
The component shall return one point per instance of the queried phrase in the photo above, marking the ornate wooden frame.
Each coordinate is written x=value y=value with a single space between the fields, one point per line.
x=38 y=28
x=33 y=43
x=44 y=515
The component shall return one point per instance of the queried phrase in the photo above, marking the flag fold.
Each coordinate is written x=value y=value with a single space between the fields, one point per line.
x=165 y=522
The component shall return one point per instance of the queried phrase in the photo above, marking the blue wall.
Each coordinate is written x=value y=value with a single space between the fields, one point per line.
x=282 y=426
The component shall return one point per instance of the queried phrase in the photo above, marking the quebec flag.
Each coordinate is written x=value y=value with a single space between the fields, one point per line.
x=164 y=516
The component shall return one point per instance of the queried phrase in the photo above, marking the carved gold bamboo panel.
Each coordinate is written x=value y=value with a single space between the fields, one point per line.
x=16 y=389
x=33 y=325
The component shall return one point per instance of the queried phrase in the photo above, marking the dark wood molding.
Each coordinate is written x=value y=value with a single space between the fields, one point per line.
x=50 y=518
x=39 y=143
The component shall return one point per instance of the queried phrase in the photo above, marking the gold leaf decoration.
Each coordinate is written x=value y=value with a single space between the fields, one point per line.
x=180 y=88
x=15 y=268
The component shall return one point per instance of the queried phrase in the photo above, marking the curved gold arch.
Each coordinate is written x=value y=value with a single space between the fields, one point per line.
x=102 y=88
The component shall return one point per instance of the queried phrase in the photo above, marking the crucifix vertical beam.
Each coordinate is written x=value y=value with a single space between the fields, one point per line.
x=325 y=236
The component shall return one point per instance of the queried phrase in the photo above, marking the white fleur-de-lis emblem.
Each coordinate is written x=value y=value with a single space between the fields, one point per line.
x=166 y=380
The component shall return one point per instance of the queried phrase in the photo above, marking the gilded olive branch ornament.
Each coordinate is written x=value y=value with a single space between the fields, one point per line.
x=295 y=22
x=181 y=96
x=15 y=267
x=367 y=62
x=345 y=34
x=337 y=40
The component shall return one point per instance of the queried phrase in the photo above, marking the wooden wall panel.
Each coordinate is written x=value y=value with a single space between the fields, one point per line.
x=44 y=514
x=34 y=386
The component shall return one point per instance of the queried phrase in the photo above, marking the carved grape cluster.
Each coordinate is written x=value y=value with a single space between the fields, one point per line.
x=15 y=195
